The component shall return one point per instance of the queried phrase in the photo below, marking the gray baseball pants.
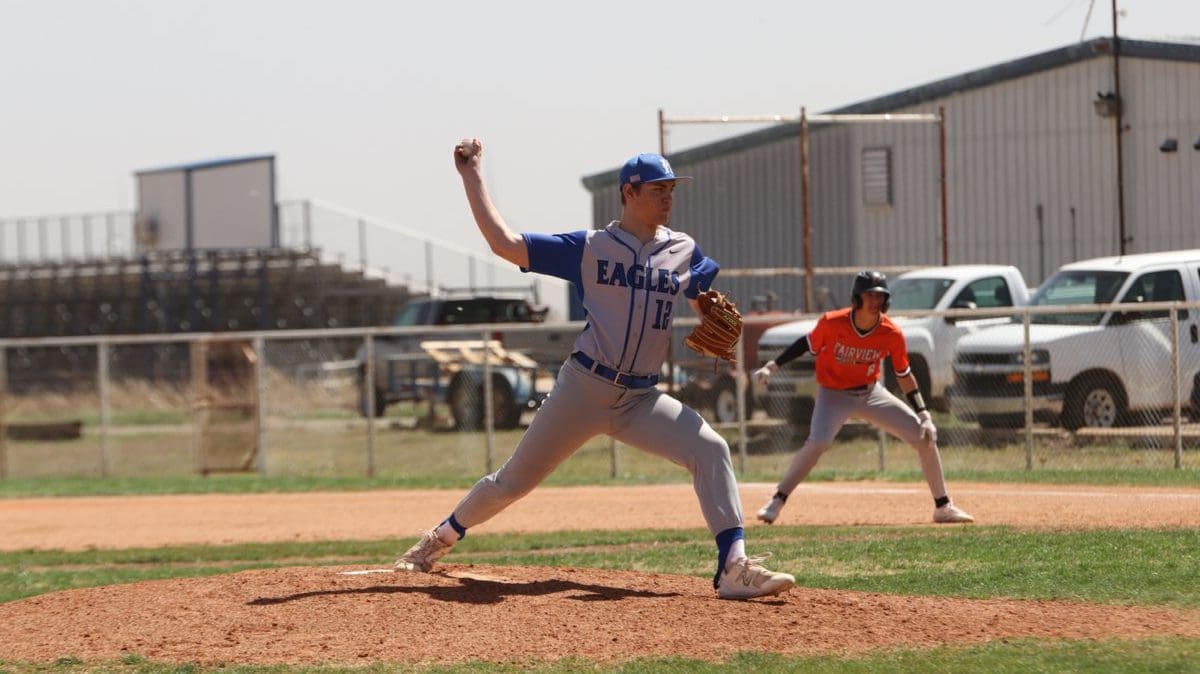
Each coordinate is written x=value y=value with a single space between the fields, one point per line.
x=583 y=405
x=876 y=405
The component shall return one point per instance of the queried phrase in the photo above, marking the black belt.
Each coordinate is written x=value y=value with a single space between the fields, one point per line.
x=619 y=378
x=856 y=389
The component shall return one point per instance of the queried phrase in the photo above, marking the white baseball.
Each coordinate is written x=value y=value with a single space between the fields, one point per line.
x=468 y=147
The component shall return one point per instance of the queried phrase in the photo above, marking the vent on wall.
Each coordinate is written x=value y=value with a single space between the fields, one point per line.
x=877 y=176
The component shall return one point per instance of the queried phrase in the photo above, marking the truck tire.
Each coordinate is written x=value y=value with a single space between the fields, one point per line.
x=380 y=403
x=465 y=398
x=1195 y=414
x=724 y=401
x=1094 y=401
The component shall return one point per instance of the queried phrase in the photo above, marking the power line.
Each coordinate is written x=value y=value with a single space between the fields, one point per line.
x=1086 y=19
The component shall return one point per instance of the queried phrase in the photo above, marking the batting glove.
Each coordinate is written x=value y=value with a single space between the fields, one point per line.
x=928 y=430
x=762 y=374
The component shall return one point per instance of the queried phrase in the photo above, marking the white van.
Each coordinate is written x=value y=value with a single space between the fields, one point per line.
x=1097 y=369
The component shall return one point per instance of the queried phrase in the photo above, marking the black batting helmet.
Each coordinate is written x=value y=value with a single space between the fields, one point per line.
x=870 y=281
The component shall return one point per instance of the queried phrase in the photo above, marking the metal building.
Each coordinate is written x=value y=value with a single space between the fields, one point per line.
x=1031 y=169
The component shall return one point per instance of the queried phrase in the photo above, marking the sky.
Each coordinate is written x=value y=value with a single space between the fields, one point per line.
x=362 y=101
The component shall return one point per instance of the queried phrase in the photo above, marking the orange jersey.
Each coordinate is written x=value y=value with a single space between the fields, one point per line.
x=848 y=359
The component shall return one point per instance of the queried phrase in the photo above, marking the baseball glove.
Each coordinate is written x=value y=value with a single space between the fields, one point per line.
x=720 y=327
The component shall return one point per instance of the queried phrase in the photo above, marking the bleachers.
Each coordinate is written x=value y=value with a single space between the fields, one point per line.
x=175 y=292
x=201 y=291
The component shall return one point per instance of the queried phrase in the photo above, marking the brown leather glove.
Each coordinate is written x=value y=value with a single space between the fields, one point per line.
x=720 y=327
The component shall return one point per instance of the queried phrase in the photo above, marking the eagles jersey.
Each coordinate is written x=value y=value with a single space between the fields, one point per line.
x=630 y=290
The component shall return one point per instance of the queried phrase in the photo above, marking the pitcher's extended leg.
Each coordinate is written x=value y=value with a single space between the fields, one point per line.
x=576 y=410
x=661 y=425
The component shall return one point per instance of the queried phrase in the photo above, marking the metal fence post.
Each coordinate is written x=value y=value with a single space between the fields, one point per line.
x=64 y=233
x=109 y=233
x=1176 y=387
x=102 y=384
x=87 y=237
x=3 y=412
x=487 y=401
x=740 y=389
x=1028 y=377
x=307 y=224
x=362 y=244
x=883 y=443
x=368 y=395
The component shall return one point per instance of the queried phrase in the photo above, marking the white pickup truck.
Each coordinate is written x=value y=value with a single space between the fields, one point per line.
x=930 y=339
x=1099 y=368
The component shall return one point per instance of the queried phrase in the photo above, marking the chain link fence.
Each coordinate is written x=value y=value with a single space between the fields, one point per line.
x=1096 y=388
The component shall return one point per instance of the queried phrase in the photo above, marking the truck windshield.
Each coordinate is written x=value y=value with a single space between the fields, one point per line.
x=915 y=294
x=1076 y=287
x=415 y=313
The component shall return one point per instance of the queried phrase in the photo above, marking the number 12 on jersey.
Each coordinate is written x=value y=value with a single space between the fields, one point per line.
x=662 y=315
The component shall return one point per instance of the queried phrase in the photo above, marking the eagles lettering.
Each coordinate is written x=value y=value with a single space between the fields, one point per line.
x=638 y=277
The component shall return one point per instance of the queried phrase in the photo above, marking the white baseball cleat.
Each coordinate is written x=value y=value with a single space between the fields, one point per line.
x=423 y=553
x=746 y=578
x=951 y=514
x=770 y=512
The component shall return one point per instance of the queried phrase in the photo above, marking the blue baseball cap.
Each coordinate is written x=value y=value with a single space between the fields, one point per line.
x=648 y=167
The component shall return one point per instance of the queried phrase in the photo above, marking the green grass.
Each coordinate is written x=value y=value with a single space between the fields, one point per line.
x=574 y=473
x=331 y=453
x=1122 y=567
x=1149 y=656
x=1156 y=567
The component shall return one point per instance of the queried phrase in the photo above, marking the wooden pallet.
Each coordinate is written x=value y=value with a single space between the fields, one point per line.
x=456 y=353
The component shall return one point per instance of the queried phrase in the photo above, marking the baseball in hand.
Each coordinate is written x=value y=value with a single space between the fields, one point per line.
x=468 y=147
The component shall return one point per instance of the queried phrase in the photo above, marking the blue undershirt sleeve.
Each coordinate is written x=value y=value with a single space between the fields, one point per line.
x=704 y=271
x=557 y=255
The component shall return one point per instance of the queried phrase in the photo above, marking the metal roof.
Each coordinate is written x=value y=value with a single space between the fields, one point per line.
x=1136 y=261
x=211 y=163
x=957 y=271
x=1028 y=65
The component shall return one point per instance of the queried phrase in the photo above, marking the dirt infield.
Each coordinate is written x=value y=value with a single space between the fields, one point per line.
x=519 y=614
x=152 y=521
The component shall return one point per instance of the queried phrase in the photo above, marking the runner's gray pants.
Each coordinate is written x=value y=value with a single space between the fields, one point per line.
x=876 y=405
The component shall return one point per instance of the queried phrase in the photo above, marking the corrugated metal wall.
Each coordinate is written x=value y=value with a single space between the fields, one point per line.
x=1023 y=143
x=1162 y=206
x=1015 y=148
x=1038 y=141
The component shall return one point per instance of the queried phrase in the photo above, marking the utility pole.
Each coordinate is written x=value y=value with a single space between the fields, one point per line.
x=1116 y=47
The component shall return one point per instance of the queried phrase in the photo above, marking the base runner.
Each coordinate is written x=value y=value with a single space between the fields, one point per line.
x=850 y=345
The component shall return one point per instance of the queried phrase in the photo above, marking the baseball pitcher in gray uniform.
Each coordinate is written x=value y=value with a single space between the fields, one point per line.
x=631 y=276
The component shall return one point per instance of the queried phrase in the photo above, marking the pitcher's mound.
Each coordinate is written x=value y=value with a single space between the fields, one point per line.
x=515 y=614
